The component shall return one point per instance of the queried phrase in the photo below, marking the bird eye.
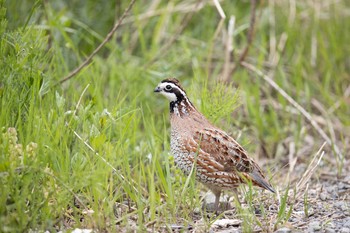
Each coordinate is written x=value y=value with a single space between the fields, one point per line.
x=168 y=87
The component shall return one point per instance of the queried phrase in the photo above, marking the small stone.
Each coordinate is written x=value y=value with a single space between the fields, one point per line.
x=323 y=196
x=283 y=230
x=329 y=230
x=345 y=230
x=312 y=192
x=319 y=205
x=331 y=189
x=177 y=227
x=341 y=185
x=88 y=212
x=315 y=225
x=197 y=210
x=230 y=230
x=347 y=222
x=338 y=204
x=310 y=212
x=225 y=223
x=78 y=230
x=347 y=179
x=344 y=207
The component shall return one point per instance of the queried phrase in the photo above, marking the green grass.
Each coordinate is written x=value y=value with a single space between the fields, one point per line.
x=49 y=177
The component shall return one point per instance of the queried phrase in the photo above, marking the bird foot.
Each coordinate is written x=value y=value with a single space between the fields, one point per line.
x=222 y=206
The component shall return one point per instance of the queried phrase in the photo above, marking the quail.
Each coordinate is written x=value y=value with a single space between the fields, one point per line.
x=220 y=162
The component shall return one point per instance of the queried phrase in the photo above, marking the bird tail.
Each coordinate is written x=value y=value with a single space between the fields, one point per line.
x=261 y=181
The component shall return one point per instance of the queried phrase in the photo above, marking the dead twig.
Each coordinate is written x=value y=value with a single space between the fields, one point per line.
x=108 y=38
x=309 y=171
x=219 y=8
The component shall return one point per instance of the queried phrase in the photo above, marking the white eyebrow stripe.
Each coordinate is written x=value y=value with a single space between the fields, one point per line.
x=163 y=85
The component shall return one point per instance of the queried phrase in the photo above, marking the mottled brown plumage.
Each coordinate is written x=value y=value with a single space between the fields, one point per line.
x=221 y=163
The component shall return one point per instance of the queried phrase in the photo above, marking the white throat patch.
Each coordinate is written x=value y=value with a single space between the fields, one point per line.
x=169 y=96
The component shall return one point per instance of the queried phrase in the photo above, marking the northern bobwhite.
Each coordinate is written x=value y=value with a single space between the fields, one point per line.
x=221 y=163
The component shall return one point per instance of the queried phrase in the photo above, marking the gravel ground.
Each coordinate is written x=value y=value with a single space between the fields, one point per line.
x=328 y=207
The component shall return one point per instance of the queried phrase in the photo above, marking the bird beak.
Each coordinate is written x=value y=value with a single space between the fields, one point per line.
x=157 y=89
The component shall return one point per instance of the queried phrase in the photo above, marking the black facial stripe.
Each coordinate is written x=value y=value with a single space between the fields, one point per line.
x=177 y=92
x=182 y=103
x=179 y=95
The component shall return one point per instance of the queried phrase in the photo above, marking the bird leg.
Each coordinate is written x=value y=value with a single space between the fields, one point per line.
x=208 y=203
x=217 y=194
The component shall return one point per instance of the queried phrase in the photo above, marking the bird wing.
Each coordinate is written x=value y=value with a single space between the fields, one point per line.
x=218 y=148
x=224 y=149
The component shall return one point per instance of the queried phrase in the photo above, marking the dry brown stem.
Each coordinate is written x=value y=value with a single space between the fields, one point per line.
x=309 y=171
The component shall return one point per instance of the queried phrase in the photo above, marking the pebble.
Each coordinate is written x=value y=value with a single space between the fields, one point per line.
x=315 y=225
x=78 y=230
x=338 y=204
x=347 y=222
x=345 y=230
x=197 y=210
x=310 y=212
x=329 y=230
x=331 y=189
x=323 y=196
x=228 y=231
x=283 y=230
x=341 y=185
x=224 y=223
x=319 y=206
x=344 y=207
x=312 y=192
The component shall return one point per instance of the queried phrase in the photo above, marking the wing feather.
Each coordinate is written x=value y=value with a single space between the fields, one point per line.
x=217 y=149
x=224 y=149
